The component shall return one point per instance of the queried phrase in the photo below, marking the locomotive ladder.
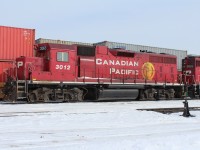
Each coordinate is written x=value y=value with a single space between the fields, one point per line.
x=21 y=89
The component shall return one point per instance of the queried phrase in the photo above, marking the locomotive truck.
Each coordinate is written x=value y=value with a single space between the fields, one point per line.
x=71 y=73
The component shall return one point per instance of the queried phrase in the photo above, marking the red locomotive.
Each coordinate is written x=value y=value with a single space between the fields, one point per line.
x=69 y=73
x=191 y=75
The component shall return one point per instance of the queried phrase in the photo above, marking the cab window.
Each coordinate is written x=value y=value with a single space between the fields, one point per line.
x=62 y=56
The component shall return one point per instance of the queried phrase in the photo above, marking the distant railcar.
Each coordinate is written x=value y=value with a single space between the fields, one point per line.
x=191 y=75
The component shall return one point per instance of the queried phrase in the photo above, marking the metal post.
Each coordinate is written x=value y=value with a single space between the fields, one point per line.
x=186 y=112
x=156 y=77
x=123 y=77
x=84 y=76
x=111 y=77
x=98 y=76
x=135 y=78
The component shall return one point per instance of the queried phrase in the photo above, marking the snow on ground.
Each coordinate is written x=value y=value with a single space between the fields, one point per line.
x=102 y=126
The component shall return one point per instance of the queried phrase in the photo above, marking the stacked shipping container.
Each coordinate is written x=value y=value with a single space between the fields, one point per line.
x=14 y=42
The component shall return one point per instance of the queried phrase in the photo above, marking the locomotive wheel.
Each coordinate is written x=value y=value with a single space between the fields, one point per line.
x=78 y=94
x=11 y=97
x=69 y=97
x=31 y=98
x=167 y=96
x=148 y=94
x=73 y=95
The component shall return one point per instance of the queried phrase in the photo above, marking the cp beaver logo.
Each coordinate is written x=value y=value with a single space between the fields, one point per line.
x=148 y=71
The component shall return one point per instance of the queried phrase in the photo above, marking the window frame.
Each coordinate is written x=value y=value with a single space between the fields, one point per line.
x=62 y=58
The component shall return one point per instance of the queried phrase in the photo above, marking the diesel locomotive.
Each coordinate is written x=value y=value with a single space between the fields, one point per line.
x=73 y=73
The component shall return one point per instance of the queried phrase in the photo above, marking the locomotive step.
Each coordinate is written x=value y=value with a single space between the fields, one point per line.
x=21 y=87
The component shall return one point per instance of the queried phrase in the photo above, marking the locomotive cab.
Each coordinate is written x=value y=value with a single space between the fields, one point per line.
x=191 y=75
x=50 y=64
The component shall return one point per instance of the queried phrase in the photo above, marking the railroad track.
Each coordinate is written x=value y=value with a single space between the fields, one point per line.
x=96 y=101
x=170 y=110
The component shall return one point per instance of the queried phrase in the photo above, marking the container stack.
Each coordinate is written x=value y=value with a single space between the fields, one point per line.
x=14 y=42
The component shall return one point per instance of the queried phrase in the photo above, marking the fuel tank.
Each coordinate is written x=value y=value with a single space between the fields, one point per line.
x=112 y=94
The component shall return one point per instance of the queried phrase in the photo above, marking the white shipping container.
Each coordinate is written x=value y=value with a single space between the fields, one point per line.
x=42 y=40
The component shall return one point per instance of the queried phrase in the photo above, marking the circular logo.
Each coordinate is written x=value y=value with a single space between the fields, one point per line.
x=148 y=71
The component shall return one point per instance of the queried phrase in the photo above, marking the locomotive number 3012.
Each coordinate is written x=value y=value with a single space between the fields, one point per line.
x=63 y=67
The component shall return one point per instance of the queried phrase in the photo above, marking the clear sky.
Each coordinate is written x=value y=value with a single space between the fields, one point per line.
x=161 y=23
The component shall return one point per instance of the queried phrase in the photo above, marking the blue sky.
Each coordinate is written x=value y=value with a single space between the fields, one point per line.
x=161 y=23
